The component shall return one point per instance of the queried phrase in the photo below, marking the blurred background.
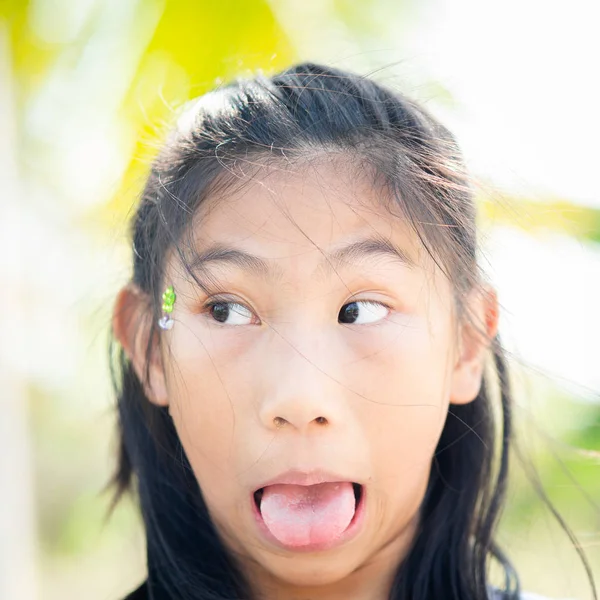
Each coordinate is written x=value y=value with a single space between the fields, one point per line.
x=86 y=90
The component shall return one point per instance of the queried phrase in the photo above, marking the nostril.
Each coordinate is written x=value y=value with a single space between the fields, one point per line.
x=279 y=422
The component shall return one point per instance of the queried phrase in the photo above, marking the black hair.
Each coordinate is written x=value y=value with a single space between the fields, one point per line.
x=304 y=110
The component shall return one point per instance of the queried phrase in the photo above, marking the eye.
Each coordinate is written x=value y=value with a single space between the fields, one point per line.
x=362 y=312
x=230 y=313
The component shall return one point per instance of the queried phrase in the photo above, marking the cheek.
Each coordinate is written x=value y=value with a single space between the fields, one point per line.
x=405 y=364
x=208 y=408
x=403 y=440
x=404 y=381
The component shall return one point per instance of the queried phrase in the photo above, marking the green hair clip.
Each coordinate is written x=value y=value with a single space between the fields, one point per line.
x=168 y=298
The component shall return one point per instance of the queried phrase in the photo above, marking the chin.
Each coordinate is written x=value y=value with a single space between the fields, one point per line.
x=310 y=570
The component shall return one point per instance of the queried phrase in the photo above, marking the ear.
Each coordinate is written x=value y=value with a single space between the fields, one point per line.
x=474 y=340
x=131 y=323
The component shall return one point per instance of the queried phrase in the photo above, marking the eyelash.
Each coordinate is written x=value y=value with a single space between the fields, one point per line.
x=218 y=301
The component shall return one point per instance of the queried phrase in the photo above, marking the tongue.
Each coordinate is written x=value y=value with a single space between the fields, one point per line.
x=299 y=515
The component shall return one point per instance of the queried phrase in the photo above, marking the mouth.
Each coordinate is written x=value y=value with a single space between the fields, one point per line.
x=310 y=517
x=357 y=489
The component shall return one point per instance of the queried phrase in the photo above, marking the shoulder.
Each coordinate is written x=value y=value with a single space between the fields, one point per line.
x=532 y=596
x=140 y=593
x=496 y=594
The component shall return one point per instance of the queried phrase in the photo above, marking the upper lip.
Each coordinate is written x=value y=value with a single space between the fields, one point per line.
x=308 y=477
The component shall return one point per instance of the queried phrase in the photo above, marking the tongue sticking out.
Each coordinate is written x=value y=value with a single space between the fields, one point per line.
x=298 y=515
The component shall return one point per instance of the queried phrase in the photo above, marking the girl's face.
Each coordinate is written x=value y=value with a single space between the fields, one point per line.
x=330 y=355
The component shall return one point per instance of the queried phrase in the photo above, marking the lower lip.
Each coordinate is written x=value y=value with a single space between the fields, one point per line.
x=349 y=533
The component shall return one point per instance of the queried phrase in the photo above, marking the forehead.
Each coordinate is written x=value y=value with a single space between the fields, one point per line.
x=303 y=209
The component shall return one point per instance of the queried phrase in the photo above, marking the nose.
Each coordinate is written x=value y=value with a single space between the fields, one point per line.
x=300 y=393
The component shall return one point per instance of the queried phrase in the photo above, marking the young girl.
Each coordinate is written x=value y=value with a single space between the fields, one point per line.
x=312 y=393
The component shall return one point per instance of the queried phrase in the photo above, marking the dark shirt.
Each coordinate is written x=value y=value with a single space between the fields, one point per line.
x=142 y=594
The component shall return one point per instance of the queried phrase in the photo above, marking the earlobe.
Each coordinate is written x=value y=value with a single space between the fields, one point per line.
x=476 y=338
x=131 y=324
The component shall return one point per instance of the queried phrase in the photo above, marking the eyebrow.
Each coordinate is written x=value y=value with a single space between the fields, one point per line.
x=356 y=252
x=369 y=247
x=220 y=254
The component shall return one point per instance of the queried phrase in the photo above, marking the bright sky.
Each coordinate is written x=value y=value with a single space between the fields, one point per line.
x=526 y=77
